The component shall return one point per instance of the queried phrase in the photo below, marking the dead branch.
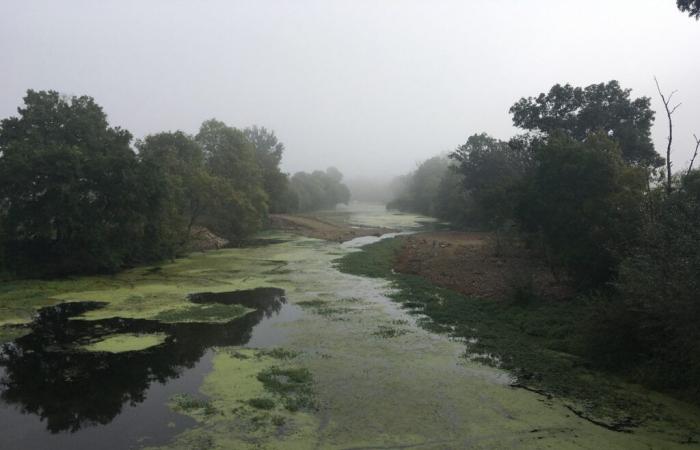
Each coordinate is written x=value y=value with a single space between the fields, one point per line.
x=695 y=154
x=669 y=112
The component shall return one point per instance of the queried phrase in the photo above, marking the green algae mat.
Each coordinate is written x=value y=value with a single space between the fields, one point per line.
x=285 y=351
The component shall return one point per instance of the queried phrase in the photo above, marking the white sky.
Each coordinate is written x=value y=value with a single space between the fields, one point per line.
x=371 y=87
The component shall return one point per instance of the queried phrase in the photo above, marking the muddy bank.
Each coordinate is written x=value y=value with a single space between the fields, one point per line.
x=477 y=264
x=322 y=228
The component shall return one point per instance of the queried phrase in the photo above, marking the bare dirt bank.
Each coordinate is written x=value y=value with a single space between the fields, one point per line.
x=321 y=228
x=477 y=264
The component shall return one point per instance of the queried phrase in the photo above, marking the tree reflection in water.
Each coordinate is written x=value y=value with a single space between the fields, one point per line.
x=45 y=375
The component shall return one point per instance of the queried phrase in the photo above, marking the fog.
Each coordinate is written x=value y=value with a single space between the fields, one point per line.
x=369 y=87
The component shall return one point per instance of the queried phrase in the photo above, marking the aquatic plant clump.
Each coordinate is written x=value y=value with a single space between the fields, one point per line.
x=293 y=385
x=203 y=314
x=126 y=342
x=191 y=405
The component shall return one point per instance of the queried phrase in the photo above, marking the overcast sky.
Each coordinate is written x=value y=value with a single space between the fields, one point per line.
x=371 y=87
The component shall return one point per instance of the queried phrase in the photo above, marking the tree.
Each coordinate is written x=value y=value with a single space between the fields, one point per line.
x=584 y=202
x=318 y=190
x=421 y=190
x=177 y=161
x=492 y=171
x=73 y=197
x=603 y=107
x=692 y=7
x=268 y=152
x=657 y=288
x=230 y=158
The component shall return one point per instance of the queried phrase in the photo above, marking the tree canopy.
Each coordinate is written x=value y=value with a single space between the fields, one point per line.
x=692 y=7
x=603 y=107
x=318 y=190
x=76 y=198
x=73 y=195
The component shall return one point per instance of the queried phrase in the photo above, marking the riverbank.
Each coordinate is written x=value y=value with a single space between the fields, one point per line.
x=322 y=226
x=535 y=341
x=480 y=264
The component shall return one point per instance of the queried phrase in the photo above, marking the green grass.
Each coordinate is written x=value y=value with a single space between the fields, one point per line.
x=537 y=341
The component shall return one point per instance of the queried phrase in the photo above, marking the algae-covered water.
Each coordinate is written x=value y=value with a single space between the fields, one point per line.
x=264 y=347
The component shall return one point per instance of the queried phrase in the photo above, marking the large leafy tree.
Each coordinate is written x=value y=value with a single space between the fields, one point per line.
x=492 y=171
x=177 y=161
x=71 y=188
x=241 y=203
x=422 y=187
x=692 y=7
x=584 y=201
x=318 y=190
x=268 y=152
x=604 y=107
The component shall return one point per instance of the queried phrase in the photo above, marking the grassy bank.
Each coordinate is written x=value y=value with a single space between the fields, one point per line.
x=537 y=341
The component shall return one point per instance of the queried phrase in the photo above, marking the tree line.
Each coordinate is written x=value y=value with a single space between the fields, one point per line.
x=75 y=197
x=585 y=188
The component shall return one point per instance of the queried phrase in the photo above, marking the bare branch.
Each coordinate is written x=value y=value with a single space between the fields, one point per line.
x=695 y=154
x=669 y=113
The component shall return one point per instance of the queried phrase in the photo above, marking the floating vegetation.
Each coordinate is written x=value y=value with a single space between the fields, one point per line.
x=126 y=342
x=316 y=303
x=203 y=314
x=262 y=403
x=293 y=385
x=389 y=332
x=191 y=405
x=324 y=308
x=278 y=353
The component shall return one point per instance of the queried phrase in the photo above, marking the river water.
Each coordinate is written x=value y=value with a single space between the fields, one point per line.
x=379 y=379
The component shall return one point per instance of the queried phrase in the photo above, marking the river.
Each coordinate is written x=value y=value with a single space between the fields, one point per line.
x=280 y=350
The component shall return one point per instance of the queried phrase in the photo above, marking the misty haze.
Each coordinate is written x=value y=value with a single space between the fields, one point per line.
x=349 y=224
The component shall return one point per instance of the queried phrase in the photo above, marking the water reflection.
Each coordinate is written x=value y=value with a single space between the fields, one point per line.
x=43 y=374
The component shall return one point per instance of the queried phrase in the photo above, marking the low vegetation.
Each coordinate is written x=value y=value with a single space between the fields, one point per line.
x=586 y=191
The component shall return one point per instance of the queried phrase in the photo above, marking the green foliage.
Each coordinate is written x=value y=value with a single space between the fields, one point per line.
x=603 y=107
x=241 y=203
x=74 y=198
x=692 y=7
x=317 y=190
x=177 y=162
x=421 y=190
x=653 y=319
x=492 y=172
x=268 y=152
x=584 y=203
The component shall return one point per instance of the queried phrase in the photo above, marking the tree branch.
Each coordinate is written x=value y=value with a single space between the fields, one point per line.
x=695 y=154
x=669 y=113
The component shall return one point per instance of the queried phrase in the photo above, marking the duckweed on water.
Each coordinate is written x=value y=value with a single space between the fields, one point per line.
x=126 y=342
x=262 y=403
x=533 y=343
x=203 y=313
x=387 y=332
x=278 y=353
x=192 y=406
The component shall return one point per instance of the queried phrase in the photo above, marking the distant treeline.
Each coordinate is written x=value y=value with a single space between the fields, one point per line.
x=75 y=197
x=586 y=189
